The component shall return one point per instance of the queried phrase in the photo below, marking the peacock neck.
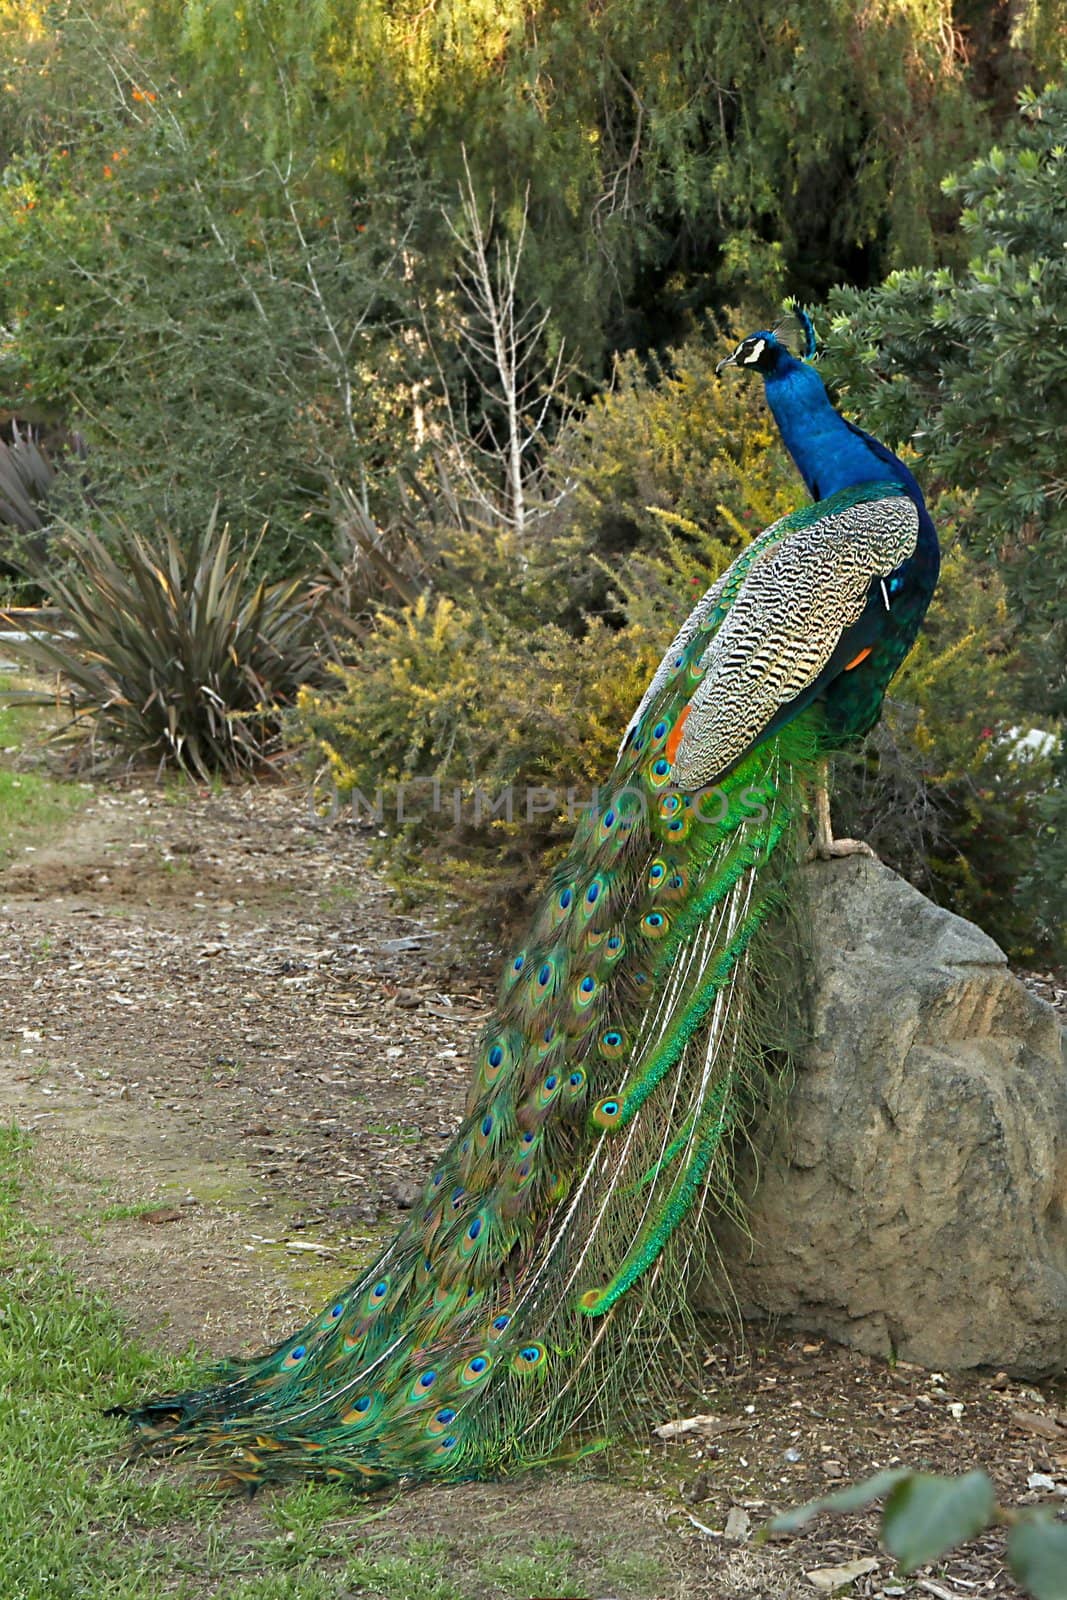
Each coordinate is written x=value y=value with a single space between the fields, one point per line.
x=829 y=452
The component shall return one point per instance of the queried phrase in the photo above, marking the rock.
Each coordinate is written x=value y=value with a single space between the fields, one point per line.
x=912 y=1191
x=404 y=1194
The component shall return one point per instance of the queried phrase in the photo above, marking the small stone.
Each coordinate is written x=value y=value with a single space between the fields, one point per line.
x=833 y=1469
x=738 y=1523
x=697 y=1489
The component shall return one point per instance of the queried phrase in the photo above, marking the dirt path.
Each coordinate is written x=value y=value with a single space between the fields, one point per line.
x=238 y=1061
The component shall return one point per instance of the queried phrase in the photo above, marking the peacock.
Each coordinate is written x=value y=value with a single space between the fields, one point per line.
x=528 y=1292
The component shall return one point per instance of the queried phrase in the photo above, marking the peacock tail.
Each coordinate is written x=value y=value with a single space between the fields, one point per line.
x=529 y=1290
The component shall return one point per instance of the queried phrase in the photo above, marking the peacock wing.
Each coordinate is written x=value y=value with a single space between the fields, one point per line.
x=799 y=597
x=706 y=614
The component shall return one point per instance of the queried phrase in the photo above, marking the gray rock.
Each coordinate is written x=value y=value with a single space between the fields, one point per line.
x=912 y=1191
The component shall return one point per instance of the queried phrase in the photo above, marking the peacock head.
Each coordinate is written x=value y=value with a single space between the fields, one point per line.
x=766 y=353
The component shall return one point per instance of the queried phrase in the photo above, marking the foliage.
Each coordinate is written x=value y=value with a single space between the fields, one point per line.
x=969 y=365
x=28 y=471
x=676 y=156
x=223 y=327
x=174 y=650
x=669 y=454
x=478 y=741
x=925 y=1517
x=26 y=475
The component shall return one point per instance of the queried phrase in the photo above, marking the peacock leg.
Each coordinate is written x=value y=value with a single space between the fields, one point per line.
x=826 y=846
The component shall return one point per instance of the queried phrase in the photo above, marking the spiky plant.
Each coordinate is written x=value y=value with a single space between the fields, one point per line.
x=26 y=475
x=178 y=654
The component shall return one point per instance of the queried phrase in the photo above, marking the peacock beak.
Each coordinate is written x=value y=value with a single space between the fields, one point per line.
x=727 y=361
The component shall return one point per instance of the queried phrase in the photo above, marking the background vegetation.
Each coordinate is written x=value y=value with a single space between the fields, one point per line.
x=426 y=300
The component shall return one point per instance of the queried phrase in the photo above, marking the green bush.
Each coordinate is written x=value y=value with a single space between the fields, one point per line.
x=669 y=453
x=969 y=365
x=221 y=326
x=172 y=649
x=447 y=710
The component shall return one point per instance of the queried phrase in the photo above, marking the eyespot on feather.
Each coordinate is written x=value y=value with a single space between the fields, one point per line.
x=422 y=1385
x=440 y=1422
x=471 y=1234
x=593 y=895
x=530 y=1359
x=612 y=1044
x=476 y=1370
x=377 y=1295
x=363 y=1412
x=607 y=1113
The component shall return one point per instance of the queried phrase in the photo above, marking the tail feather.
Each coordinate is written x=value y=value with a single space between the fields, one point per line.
x=535 y=1280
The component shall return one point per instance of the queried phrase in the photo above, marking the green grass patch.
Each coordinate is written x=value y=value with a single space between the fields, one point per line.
x=119 y=1212
x=74 y=1521
x=32 y=805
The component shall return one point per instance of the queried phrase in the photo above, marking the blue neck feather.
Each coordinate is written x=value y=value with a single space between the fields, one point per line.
x=829 y=452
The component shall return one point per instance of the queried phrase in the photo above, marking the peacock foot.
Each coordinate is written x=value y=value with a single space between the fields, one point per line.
x=826 y=847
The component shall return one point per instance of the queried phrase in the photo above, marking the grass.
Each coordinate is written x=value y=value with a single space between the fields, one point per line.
x=32 y=805
x=119 y=1212
x=78 y=1523
x=73 y=1520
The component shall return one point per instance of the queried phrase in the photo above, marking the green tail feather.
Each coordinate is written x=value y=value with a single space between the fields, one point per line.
x=532 y=1283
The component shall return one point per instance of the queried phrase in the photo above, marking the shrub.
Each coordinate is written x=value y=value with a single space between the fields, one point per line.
x=28 y=471
x=174 y=651
x=668 y=452
x=969 y=364
x=446 y=712
x=223 y=326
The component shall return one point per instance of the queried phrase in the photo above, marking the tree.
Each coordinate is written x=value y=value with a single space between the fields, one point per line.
x=223 y=327
x=968 y=367
x=512 y=396
x=676 y=156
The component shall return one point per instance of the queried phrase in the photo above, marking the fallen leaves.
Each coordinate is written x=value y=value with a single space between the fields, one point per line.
x=1042 y=1426
x=830 y=1580
x=708 y=1424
